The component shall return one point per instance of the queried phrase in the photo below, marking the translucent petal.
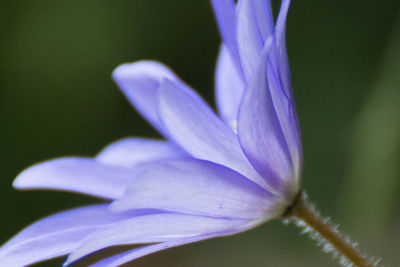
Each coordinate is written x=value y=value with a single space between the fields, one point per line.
x=196 y=187
x=281 y=52
x=82 y=175
x=229 y=88
x=225 y=12
x=150 y=229
x=127 y=256
x=194 y=126
x=265 y=21
x=261 y=134
x=139 y=82
x=133 y=152
x=250 y=41
x=58 y=234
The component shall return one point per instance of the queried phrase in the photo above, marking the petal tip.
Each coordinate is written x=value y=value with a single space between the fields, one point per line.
x=22 y=181
x=143 y=67
x=17 y=184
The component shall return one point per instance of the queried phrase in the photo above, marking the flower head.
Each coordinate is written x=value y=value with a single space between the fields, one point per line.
x=212 y=176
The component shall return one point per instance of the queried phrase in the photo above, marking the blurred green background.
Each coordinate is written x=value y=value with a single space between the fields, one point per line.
x=57 y=98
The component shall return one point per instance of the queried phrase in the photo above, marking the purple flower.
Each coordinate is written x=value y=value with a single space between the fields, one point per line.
x=213 y=176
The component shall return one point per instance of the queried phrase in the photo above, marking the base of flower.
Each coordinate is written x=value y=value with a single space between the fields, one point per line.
x=332 y=241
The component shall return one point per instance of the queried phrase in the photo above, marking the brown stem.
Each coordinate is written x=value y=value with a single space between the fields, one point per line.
x=302 y=211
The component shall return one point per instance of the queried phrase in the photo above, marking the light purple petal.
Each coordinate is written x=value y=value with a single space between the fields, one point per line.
x=150 y=229
x=195 y=127
x=133 y=152
x=57 y=235
x=265 y=21
x=139 y=82
x=286 y=114
x=284 y=102
x=225 y=12
x=229 y=88
x=250 y=41
x=261 y=135
x=82 y=175
x=281 y=53
x=197 y=187
x=127 y=256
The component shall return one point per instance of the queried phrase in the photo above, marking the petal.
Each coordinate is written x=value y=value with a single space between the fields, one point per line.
x=229 y=88
x=197 y=187
x=127 y=256
x=225 y=12
x=284 y=102
x=57 y=235
x=150 y=229
x=287 y=117
x=195 y=127
x=293 y=132
x=281 y=53
x=250 y=41
x=260 y=132
x=265 y=21
x=133 y=152
x=139 y=82
x=83 y=175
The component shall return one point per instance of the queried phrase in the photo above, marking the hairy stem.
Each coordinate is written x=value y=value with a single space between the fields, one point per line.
x=325 y=234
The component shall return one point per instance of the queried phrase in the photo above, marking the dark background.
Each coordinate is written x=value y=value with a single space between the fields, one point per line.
x=57 y=98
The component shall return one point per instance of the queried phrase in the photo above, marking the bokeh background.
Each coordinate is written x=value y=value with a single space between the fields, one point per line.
x=57 y=98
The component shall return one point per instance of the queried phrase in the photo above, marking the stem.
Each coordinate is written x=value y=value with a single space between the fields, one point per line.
x=325 y=233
